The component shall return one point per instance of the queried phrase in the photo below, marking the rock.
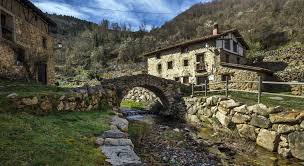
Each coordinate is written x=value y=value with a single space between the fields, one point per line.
x=114 y=134
x=223 y=119
x=30 y=102
x=176 y=130
x=260 y=109
x=242 y=109
x=120 y=155
x=99 y=141
x=285 y=152
x=260 y=121
x=223 y=110
x=278 y=109
x=240 y=118
x=192 y=110
x=296 y=144
x=247 y=131
x=302 y=124
x=285 y=129
x=206 y=112
x=285 y=117
x=60 y=107
x=212 y=101
x=193 y=119
x=118 y=142
x=46 y=106
x=121 y=123
x=12 y=96
x=268 y=139
x=229 y=104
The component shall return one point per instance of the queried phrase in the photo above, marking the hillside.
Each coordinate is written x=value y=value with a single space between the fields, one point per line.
x=266 y=25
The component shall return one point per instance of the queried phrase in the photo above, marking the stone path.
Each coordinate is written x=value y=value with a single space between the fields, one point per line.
x=116 y=146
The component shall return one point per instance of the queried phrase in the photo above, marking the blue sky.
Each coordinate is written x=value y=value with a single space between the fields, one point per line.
x=116 y=10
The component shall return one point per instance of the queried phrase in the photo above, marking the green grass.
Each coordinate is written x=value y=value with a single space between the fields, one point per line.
x=56 y=139
x=250 y=99
x=133 y=104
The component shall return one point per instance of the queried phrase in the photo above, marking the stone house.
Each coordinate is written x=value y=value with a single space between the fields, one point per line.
x=212 y=58
x=26 y=47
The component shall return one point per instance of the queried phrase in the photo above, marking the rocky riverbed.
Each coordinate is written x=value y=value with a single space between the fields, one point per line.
x=161 y=141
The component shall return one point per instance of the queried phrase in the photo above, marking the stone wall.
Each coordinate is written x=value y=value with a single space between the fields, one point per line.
x=29 y=36
x=140 y=95
x=78 y=100
x=272 y=128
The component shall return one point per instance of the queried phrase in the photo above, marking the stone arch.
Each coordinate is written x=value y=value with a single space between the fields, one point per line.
x=167 y=90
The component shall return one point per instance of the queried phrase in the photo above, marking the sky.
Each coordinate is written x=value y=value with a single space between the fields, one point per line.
x=132 y=12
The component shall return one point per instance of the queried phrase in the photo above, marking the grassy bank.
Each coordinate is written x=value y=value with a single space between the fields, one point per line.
x=133 y=104
x=56 y=139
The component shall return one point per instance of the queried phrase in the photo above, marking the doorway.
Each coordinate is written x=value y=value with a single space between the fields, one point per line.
x=42 y=73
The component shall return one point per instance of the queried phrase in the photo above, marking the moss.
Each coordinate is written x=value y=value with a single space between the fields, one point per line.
x=133 y=104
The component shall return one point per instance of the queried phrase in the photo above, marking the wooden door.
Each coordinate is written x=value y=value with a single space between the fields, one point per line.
x=42 y=73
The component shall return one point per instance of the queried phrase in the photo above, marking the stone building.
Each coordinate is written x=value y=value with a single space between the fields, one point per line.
x=211 y=58
x=26 y=47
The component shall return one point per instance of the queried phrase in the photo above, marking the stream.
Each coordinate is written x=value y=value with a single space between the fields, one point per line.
x=160 y=141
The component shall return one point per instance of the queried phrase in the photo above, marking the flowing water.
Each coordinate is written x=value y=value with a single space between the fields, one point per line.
x=153 y=136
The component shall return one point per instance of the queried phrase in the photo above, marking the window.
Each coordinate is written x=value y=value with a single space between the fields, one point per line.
x=227 y=57
x=186 y=80
x=44 y=42
x=238 y=60
x=177 y=79
x=170 y=65
x=200 y=58
x=158 y=56
x=7 y=26
x=201 y=80
x=200 y=62
x=184 y=49
x=235 y=46
x=186 y=62
x=159 y=68
x=227 y=44
x=20 y=57
x=225 y=77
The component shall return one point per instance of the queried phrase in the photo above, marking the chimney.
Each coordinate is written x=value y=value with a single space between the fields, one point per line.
x=215 y=29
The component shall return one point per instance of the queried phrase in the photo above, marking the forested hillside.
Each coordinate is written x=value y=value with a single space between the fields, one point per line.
x=265 y=24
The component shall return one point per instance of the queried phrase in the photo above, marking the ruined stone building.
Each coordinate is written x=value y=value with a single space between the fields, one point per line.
x=26 y=47
x=212 y=58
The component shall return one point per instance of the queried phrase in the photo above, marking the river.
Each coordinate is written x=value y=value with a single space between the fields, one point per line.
x=160 y=141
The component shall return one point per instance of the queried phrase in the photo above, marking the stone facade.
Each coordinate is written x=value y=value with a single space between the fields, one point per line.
x=140 y=95
x=272 y=128
x=30 y=47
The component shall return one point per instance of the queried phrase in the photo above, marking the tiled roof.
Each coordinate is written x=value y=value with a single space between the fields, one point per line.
x=202 y=39
x=38 y=11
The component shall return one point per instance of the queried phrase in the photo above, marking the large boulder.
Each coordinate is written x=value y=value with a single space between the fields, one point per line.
x=296 y=144
x=247 y=131
x=240 y=118
x=205 y=112
x=118 y=142
x=229 y=104
x=29 y=101
x=46 y=106
x=286 y=117
x=260 y=109
x=260 y=121
x=120 y=123
x=223 y=119
x=268 y=139
x=193 y=119
x=212 y=101
x=120 y=155
x=114 y=134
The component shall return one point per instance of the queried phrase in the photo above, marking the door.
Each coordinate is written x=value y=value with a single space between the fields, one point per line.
x=42 y=73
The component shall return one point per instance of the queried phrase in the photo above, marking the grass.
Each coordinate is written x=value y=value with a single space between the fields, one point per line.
x=250 y=99
x=56 y=139
x=133 y=104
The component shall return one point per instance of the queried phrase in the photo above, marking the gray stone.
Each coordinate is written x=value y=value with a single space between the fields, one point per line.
x=12 y=95
x=192 y=110
x=118 y=142
x=204 y=112
x=223 y=119
x=120 y=155
x=223 y=110
x=240 y=118
x=242 y=109
x=212 y=101
x=285 y=152
x=296 y=144
x=193 y=119
x=260 y=109
x=114 y=134
x=268 y=139
x=229 y=104
x=302 y=124
x=260 y=121
x=247 y=131
x=285 y=129
x=29 y=101
x=276 y=109
x=286 y=117
x=121 y=123
x=99 y=141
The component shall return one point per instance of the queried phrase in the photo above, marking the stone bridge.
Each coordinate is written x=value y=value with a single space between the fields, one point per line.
x=168 y=91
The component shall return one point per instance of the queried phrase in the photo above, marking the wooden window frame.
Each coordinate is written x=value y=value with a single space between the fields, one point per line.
x=235 y=47
x=225 y=44
x=159 y=68
x=14 y=23
x=186 y=62
x=170 y=65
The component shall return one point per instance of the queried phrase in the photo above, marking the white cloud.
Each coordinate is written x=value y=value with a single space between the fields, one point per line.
x=60 y=8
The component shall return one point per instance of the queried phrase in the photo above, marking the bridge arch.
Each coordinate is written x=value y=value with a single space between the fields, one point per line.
x=167 y=91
